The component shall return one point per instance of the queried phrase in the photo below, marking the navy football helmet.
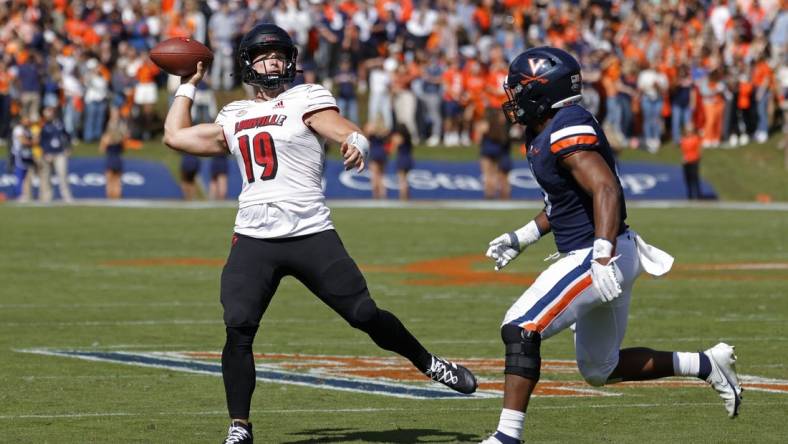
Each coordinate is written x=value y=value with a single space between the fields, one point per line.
x=541 y=80
x=263 y=38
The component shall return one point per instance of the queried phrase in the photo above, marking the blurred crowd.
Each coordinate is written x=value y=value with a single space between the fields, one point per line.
x=429 y=70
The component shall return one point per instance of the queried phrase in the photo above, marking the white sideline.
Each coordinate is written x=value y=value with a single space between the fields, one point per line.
x=378 y=410
x=764 y=318
x=413 y=204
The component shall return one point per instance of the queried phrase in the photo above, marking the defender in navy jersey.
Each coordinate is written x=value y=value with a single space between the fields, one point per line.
x=283 y=227
x=570 y=210
x=589 y=288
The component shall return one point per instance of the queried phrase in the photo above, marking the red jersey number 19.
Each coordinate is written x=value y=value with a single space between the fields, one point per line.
x=262 y=151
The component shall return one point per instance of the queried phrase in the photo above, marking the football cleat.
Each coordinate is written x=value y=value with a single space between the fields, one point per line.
x=451 y=375
x=723 y=376
x=239 y=433
x=500 y=438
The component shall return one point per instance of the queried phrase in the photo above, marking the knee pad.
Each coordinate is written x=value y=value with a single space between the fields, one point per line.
x=345 y=290
x=364 y=313
x=522 y=351
x=596 y=374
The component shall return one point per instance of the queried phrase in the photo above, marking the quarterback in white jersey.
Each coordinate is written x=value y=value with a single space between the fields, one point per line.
x=281 y=161
x=283 y=226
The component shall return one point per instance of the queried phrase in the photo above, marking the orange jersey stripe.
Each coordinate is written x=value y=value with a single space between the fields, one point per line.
x=569 y=141
x=542 y=323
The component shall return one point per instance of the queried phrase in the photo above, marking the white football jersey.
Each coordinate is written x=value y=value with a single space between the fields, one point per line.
x=281 y=162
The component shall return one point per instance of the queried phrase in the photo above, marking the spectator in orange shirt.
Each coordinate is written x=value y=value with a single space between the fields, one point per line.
x=713 y=92
x=495 y=78
x=146 y=93
x=404 y=100
x=691 y=152
x=611 y=78
x=482 y=16
x=474 y=99
x=762 y=80
x=452 y=108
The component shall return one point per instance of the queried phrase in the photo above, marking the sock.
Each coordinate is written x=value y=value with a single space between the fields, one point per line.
x=511 y=424
x=705 y=366
x=691 y=364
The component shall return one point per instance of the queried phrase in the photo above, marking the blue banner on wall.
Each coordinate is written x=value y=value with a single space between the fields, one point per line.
x=462 y=180
x=141 y=179
x=144 y=179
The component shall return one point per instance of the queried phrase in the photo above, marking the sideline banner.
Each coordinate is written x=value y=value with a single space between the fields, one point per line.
x=453 y=180
x=141 y=179
x=462 y=180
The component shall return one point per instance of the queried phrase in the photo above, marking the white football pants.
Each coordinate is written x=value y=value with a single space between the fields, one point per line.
x=563 y=295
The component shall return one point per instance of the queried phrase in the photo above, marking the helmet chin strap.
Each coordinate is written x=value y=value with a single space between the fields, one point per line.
x=263 y=80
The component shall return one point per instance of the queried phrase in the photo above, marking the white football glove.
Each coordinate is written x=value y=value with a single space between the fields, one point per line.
x=504 y=248
x=605 y=278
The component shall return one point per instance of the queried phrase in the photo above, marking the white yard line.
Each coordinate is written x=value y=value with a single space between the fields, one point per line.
x=573 y=406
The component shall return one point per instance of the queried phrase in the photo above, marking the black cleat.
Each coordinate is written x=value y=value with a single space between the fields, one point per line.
x=451 y=375
x=239 y=433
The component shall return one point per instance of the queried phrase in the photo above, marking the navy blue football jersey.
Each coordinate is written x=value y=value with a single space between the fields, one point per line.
x=569 y=209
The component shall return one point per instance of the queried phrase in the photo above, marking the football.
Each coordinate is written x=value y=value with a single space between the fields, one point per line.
x=179 y=56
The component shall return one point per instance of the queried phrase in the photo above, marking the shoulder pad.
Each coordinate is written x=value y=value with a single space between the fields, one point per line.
x=573 y=128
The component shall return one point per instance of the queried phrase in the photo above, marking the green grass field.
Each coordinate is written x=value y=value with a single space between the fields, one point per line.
x=146 y=280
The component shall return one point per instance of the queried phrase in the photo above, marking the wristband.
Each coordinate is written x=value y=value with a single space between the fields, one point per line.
x=525 y=236
x=360 y=142
x=602 y=248
x=186 y=90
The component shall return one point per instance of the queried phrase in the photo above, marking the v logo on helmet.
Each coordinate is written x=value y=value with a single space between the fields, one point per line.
x=535 y=64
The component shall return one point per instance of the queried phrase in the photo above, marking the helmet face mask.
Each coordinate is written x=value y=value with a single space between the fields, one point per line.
x=523 y=106
x=540 y=81
x=263 y=39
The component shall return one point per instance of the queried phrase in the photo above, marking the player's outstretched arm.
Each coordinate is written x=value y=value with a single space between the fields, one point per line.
x=331 y=125
x=206 y=139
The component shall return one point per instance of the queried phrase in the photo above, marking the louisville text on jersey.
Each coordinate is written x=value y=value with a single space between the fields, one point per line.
x=256 y=122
